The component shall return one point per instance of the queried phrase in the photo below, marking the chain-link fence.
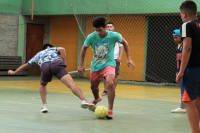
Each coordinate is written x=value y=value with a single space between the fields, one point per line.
x=146 y=25
x=148 y=31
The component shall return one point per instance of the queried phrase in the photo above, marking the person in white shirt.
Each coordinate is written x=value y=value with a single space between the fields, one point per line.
x=118 y=51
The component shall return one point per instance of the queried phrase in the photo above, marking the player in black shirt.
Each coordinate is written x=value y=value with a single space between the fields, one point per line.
x=190 y=64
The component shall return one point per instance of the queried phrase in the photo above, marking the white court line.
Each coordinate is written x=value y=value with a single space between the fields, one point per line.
x=35 y=99
x=39 y=113
x=62 y=107
x=37 y=104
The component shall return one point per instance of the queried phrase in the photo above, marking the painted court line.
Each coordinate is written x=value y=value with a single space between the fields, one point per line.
x=60 y=107
x=35 y=99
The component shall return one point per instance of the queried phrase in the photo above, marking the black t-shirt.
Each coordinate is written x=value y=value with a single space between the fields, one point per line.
x=192 y=29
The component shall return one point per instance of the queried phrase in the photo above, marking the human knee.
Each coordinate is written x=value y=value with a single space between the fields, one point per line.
x=43 y=84
x=185 y=104
x=110 y=83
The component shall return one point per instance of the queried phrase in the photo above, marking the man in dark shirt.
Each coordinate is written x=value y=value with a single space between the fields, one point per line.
x=190 y=64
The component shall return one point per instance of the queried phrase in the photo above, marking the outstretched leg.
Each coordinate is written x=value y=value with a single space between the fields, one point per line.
x=68 y=81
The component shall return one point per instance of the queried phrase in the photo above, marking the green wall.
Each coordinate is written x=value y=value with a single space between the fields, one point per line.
x=11 y=6
x=47 y=7
x=63 y=7
x=20 y=50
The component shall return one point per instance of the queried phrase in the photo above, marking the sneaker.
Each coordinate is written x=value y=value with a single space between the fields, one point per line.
x=104 y=93
x=178 y=110
x=44 y=108
x=110 y=114
x=95 y=102
x=86 y=105
x=92 y=108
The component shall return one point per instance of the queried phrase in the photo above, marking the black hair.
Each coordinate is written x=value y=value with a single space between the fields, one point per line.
x=99 y=22
x=46 y=45
x=190 y=7
x=110 y=23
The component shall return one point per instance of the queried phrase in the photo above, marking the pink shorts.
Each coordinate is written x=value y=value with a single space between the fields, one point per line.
x=98 y=75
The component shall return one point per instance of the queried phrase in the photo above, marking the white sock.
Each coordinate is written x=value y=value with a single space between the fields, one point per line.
x=84 y=101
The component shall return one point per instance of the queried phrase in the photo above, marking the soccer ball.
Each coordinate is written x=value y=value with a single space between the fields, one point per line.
x=101 y=112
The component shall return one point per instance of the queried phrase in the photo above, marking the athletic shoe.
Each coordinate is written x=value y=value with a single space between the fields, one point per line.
x=110 y=114
x=178 y=110
x=44 y=108
x=92 y=108
x=104 y=93
x=96 y=101
x=86 y=105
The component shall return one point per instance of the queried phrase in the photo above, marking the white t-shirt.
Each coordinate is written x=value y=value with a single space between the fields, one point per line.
x=116 y=50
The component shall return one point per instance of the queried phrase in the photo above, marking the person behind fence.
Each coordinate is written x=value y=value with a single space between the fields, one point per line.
x=177 y=39
x=189 y=74
x=103 y=63
x=118 y=51
x=51 y=64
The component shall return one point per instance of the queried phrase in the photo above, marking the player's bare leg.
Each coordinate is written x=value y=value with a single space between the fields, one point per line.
x=43 y=91
x=111 y=90
x=43 y=94
x=95 y=88
x=198 y=105
x=95 y=91
x=105 y=88
x=116 y=81
x=193 y=115
x=68 y=81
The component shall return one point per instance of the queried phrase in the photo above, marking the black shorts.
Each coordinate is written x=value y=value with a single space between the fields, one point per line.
x=56 y=68
x=117 y=68
x=190 y=84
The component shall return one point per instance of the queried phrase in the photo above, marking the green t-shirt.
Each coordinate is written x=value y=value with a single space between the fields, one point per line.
x=103 y=49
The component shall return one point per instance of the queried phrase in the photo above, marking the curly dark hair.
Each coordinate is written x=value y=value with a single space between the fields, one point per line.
x=46 y=45
x=99 y=22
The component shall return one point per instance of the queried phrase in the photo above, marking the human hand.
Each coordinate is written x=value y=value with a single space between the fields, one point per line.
x=81 y=69
x=129 y=61
x=119 y=59
x=11 y=72
x=179 y=77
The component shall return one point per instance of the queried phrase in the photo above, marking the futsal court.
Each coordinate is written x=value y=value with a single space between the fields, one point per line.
x=137 y=108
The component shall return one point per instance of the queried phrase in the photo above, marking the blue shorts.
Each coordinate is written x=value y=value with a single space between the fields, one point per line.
x=190 y=84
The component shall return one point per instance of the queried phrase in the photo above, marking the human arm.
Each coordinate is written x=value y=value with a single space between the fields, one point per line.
x=126 y=48
x=62 y=53
x=187 y=48
x=121 y=49
x=81 y=68
x=18 y=70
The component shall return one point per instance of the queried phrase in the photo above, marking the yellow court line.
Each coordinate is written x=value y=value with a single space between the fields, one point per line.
x=122 y=91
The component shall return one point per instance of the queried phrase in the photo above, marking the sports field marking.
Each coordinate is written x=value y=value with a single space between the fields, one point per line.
x=56 y=106
x=36 y=99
